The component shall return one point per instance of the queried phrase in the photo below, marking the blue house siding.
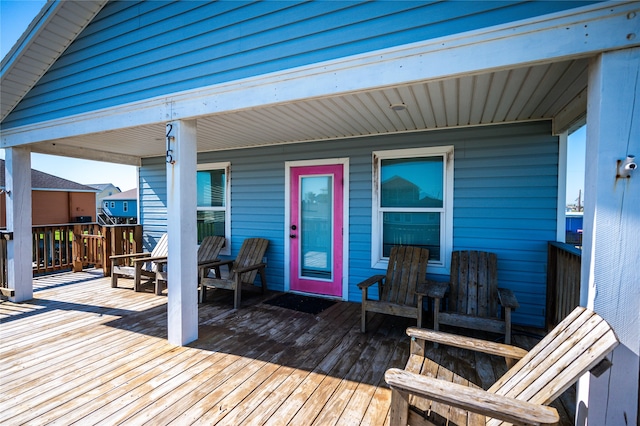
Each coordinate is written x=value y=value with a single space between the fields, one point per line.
x=118 y=208
x=137 y=50
x=505 y=191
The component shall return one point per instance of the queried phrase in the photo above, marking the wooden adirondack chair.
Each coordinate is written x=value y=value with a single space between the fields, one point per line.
x=242 y=271
x=474 y=297
x=397 y=290
x=137 y=265
x=425 y=392
x=207 y=253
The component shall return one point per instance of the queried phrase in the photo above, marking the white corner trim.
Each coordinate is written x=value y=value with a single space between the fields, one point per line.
x=575 y=33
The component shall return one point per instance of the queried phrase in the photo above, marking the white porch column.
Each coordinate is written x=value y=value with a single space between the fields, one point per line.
x=181 y=219
x=610 y=268
x=18 y=196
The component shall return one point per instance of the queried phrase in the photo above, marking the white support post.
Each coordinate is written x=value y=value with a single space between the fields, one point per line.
x=181 y=218
x=19 y=248
x=561 y=228
x=610 y=282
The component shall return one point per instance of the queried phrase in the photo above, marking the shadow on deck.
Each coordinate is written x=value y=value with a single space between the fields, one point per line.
x=84 y=351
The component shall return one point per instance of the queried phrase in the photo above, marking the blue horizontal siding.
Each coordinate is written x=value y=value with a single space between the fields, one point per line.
x=494 y=214
x=137 y=50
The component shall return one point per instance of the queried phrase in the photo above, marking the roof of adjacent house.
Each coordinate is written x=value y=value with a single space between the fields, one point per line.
x=47 y=182
x=103 y=186
x=131 y=194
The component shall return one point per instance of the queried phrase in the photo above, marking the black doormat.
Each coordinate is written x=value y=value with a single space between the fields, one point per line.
x=300 y=303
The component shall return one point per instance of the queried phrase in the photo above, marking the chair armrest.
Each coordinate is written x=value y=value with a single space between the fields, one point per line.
x=251 y=268
x=129 y=256
x=471 y=399
x=507 y=298
x=214 y=263
x=470 y=343
x=371 y=281
x=150 y=259
x=433 y=289
x=208 y=263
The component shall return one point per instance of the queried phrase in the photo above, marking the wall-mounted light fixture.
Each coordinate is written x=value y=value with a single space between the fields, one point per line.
x=627 y=166
x=170 y=139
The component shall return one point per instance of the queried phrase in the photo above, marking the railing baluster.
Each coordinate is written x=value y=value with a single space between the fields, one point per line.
x=563 y=281
x=67 y=246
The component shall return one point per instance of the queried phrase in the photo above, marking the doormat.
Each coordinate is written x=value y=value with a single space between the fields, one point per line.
x=300 y=303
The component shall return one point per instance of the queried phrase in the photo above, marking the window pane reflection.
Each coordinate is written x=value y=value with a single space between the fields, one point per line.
x=411 y=229
x=211 y=188
x=412 y=182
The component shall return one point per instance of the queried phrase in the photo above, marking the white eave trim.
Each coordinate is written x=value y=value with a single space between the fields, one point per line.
x=575 y=33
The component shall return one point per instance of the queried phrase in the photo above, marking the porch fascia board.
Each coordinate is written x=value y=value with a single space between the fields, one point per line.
x=577 y=33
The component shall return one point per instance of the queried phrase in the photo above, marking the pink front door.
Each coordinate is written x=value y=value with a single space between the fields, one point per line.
x=315 y=231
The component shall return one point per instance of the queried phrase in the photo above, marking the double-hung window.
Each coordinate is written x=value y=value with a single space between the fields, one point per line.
x=213 y=212
x=413 y=203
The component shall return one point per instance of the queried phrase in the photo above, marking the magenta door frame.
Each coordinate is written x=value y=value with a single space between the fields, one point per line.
x=331 y=287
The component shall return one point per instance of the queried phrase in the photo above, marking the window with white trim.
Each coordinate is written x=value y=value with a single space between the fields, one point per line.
x=413 y=203
x=213 y=195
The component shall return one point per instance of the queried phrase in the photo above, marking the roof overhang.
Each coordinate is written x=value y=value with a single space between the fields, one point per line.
x=529 y=70
x=46 y=38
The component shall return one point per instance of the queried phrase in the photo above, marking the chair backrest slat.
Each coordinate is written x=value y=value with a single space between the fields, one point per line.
x=162 y=248
x=251 y=253
x=474 y=283
x=407 y=267
x=210 y=248
x=572 y=348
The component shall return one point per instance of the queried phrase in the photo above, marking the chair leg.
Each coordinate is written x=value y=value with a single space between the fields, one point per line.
x=507 y=326
x=419 y=313
x=137 y=277
x=114 y=279
x=399 y=410
x=263 y=279
x=436 y=312
x=237 y=292
x=363 y=316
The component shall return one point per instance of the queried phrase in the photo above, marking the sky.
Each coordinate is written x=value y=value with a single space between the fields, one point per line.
x=15 y=17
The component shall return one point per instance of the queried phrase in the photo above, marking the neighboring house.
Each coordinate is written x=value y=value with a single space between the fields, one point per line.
x=104 y=190
x=123 y=207
x=239 y=113
x=54 y=200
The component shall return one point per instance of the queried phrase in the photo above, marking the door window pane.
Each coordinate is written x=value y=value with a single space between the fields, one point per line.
x=316 y=226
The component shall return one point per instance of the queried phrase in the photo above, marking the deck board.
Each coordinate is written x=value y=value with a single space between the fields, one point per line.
x=82 y=351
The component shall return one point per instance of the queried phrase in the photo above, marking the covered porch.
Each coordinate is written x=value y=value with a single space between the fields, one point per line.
x=560 y=69
x=83 y=351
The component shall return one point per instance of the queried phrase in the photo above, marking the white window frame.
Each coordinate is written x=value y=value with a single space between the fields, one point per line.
x=226 y=166
x=446 y=220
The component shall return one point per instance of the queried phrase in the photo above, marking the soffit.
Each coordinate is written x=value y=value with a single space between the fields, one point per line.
x=543 y=91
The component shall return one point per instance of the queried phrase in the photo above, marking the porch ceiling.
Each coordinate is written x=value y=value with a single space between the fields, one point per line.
x=543 y=91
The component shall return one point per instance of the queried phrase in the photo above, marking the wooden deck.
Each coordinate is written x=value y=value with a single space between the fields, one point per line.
x=84 y=352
